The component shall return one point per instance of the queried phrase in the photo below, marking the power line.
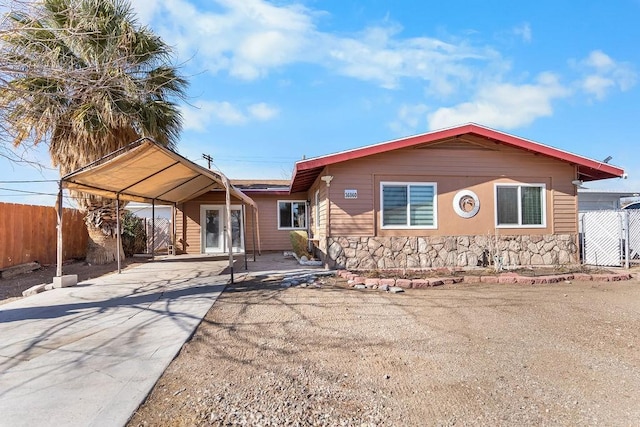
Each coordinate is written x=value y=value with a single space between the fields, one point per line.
x=208 y=158
x=28 y=181
x=27 y=192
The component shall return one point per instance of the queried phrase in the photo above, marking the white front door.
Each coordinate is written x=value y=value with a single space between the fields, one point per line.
x=213 y=225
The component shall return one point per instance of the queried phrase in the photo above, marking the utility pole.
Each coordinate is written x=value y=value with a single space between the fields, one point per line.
x=208 y=158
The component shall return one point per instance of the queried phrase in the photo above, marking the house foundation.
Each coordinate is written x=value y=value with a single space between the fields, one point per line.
x=369 y=253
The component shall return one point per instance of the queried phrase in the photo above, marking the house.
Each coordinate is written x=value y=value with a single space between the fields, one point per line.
x=451 y=197
x=597 y=200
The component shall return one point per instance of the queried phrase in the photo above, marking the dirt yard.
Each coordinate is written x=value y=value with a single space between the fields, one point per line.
x=485 y=354
x=11 y=289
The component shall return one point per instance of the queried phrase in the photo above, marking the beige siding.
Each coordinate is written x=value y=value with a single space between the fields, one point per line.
x=453 y=169
x=321 y=209
x=271 y=238
x=565 y=203
x=189 y=235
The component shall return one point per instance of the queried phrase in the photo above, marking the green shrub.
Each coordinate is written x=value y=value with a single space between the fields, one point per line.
x=299 y=243
x=134 y=236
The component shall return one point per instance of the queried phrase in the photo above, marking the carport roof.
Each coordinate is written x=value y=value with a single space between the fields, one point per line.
x=145 y=171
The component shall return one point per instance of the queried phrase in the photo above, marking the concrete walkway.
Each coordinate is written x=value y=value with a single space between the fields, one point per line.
x=90 y=354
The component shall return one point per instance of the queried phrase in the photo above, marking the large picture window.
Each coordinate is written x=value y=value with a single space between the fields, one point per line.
x=408 y=205
x=520 y=205
x=292 y=215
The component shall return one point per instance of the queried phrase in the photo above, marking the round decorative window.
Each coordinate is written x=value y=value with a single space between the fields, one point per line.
x=466 y=203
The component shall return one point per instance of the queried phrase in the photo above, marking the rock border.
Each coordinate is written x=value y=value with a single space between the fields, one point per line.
x=355 y=279
x=303 y=260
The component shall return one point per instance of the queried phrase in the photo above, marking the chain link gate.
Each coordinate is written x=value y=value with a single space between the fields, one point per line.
x=158 y=234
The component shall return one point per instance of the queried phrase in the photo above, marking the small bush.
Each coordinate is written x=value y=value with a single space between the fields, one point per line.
x=134 y=236
x=299 y=241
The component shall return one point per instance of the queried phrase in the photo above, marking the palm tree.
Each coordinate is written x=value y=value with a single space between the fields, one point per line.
x=86 y=78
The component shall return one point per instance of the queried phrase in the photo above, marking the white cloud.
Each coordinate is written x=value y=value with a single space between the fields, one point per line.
x=380 y=56
x=246 y=38
x=250 y=38
x=145 y=9
x=599 y=60
x=201 y=114
x=524 y=31
x=409 y=118
x=597 y=85
x=504 y=105
x=262 y=111
x=602 y=74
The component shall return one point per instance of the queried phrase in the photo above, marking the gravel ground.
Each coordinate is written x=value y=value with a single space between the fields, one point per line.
x=485 y=354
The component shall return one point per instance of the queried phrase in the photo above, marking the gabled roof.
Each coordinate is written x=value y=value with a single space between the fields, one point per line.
x=262 y=185
x=306 y=171
x=145 y=171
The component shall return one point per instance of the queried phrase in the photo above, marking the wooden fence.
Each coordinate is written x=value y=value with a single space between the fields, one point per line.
x=28 y=233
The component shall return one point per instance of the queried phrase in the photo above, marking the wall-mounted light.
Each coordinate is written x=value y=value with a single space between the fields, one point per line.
x=327 y=179
x=577 y=182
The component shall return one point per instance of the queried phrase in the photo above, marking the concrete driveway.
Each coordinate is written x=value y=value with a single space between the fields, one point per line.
x=88 y=355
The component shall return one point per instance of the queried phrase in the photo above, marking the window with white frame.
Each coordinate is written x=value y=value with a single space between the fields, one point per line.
x=408 y=204
x=292 y=214
x=520 y=205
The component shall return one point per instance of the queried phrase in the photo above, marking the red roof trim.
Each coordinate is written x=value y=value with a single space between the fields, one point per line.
x=591 y=169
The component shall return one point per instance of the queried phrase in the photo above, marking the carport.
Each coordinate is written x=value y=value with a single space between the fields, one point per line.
x=145 y=171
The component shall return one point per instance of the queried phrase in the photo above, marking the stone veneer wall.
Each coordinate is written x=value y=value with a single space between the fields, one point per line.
x=368 y=253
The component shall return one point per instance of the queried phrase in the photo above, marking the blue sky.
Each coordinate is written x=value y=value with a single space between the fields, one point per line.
x=272 y=81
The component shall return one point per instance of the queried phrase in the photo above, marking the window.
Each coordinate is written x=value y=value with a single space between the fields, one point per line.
x=520 y=205
x=408 y=205
x=292 y=214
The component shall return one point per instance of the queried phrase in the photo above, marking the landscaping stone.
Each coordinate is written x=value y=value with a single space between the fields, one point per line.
x=34 y=290
x=387 y=284
x=371 y=281
x=403 y=283
x=17 y=270
x=524 y=280
x=360 y=286
x=395 y=289
x=420 y=283
x=463 y=251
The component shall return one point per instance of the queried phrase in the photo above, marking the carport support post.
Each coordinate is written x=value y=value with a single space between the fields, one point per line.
x=118 y=234
x=59 y=243
x=258 y=228
x=173 y=229
x=244 y=236
x=227 y=186
x=253 y=229
x=153 y=229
